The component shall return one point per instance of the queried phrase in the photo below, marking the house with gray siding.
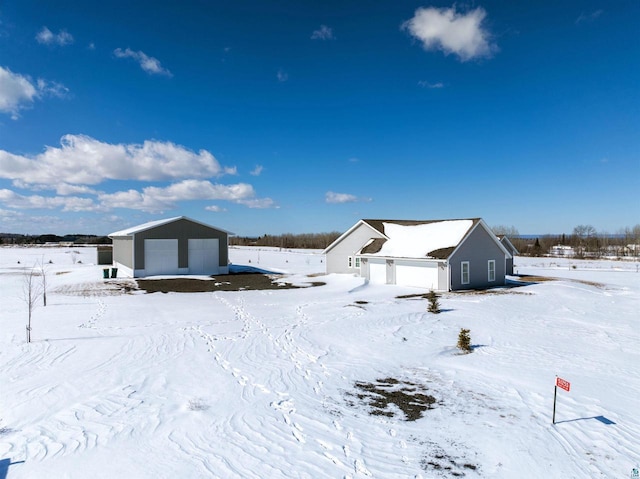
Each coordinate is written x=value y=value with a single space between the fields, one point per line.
x=171 y=246
x=443 y=255
x=512 y=251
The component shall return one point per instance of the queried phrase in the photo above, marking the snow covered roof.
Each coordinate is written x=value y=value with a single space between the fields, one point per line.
x=418 y=239
x=153 y=224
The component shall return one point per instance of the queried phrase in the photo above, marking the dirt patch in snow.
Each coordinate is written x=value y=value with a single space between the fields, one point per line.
x=438 y=462
x=393 y=398
x=230 y=282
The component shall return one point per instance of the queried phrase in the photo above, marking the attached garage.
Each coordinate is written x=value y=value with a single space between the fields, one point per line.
x=170 y=247
x=377 y=272
x=418 y=274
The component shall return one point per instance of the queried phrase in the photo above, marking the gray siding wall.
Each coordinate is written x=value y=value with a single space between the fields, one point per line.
x=182 y=230
x=105 y=254
x=349 y=246
x=509 y=270
x=478 y=249
x=123 y=251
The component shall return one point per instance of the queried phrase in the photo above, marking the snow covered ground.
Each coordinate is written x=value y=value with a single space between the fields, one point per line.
x=279 y=383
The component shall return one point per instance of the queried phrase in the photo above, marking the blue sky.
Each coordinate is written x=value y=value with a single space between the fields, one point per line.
x=272 y=117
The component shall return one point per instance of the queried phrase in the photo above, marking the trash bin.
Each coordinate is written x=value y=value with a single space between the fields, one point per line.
x=114 y=272
x=105 y=273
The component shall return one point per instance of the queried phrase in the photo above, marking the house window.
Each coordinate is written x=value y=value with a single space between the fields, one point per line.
x=357 y=261
x=464 y=279
x=492 y=269
x=350 y=261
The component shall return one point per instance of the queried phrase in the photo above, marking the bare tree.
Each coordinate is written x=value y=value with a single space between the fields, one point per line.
x=31 y=291
x=43 y=277
x=584 y=235
x=509 y=231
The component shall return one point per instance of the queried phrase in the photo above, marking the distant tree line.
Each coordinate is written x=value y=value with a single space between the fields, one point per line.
x=288 y=240
x=585 y=242
x=12 y=238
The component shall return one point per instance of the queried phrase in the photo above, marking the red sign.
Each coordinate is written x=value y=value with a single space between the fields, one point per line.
x=562 y=384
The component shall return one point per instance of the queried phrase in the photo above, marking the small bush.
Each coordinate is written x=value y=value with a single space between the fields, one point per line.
x=434 y=305
x=464 y=341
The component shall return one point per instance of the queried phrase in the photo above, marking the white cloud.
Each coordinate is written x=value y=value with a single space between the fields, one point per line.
x=331 y=197
x=282 y=76
x=215 y=209
x=47 y=37
x=257 y=170
x=18 y=92
x=426 y=84
x=322 y=33
x=67 y=203
x=588 y=17
x=258 y=203
x=149 y=64
x=52 y=88
x=459 y=33
x=6 y=214
x=157 y=199
x=65 y=189
x=82 y=160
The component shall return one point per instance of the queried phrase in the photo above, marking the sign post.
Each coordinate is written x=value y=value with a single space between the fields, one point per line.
x=560 y=383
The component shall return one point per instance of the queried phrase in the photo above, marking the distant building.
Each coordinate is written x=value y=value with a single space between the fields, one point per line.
x=562 y=251
x=632 y=250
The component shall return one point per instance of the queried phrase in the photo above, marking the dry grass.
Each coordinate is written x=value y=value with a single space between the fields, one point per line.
x=380 y=396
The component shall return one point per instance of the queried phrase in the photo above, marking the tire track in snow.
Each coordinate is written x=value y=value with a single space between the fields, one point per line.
x=81 y=427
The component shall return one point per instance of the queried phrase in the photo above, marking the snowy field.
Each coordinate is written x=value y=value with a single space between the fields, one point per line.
x=282 y=383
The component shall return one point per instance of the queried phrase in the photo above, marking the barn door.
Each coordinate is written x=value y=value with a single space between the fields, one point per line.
x=204 y=255
x=160 y=256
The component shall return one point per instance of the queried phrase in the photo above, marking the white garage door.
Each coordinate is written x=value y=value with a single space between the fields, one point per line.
x=422 y=276
x=204 y=256
x=160 y=256
x=377 y=272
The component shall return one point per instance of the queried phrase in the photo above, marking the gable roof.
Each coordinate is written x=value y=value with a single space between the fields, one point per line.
x=508 y=244
x=154 y=224
x=435 y=239
x=374 y=233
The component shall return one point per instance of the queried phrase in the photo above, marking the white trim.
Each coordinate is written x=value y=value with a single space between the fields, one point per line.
x=462 y=265
x=125 y=270
x=489 y=270
x=377 y=234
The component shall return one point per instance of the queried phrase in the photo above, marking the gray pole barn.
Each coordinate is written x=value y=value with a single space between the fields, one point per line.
x=169 y=247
